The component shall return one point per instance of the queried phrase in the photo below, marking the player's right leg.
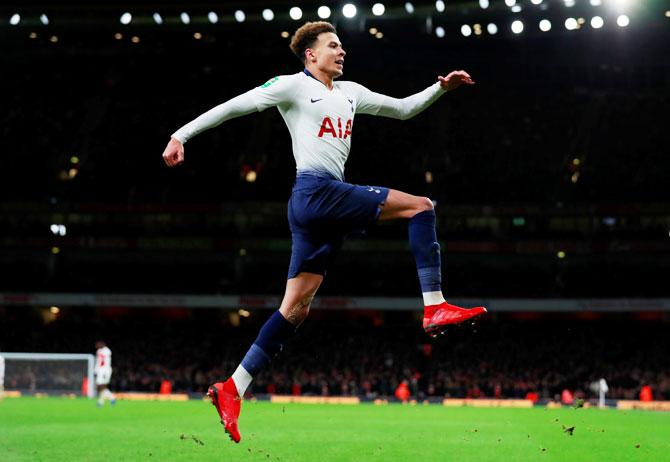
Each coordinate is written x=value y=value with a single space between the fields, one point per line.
x=438 y=314
x=227 y=396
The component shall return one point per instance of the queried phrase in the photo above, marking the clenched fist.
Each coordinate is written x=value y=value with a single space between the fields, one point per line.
x=174 y=153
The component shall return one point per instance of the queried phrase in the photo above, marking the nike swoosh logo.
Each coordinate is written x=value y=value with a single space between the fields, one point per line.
x=315 y=100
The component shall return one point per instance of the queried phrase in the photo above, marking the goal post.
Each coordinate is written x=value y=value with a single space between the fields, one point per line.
x=51 y=373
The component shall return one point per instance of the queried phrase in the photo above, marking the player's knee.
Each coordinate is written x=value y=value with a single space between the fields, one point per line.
x=424 y=204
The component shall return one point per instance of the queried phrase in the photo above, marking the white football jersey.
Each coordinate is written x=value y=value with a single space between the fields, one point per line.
x=103 y=358
x=320 y=120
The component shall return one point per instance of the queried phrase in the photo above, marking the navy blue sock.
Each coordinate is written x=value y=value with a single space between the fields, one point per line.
x=268 y=344
x=426 y=250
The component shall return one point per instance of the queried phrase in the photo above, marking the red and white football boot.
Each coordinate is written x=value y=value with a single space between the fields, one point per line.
x=436 y=318
x=227 y=402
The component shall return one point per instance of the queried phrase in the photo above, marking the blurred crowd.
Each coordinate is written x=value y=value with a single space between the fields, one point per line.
x=369 y=355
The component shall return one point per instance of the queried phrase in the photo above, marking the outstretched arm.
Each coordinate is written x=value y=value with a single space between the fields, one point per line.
x=240 y=105
x=277 y=91
x=406 y=108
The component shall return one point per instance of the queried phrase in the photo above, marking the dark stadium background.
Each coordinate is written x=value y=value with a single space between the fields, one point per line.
x=550 y=177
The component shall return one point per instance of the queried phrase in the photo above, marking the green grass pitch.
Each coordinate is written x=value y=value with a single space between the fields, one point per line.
x=59 y=429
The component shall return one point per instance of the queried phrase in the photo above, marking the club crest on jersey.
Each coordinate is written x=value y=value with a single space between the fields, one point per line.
x=327 y=126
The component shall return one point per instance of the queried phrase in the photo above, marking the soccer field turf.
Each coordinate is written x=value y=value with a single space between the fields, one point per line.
x=58 y=429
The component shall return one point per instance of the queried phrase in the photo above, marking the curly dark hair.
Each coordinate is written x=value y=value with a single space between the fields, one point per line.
x=306 y=35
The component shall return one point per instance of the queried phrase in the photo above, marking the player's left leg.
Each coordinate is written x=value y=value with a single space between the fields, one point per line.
x=423 y=241
x=227 y=396
x=298 y=296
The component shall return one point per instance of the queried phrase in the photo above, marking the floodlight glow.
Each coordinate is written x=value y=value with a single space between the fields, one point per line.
x=240 y=16
x=323 y=12
x=517 y=27
x=623 y=20
x=620 y=4
x=510 y=2
x=439 y=31
x=492 y=28
x=569 y=3
x=466 y=30
x=349 y=10
x=126 y=18
x=185 y=18
x=295 y=13
x=597 y=22
x=535 y=2
x=213 y=17
x=268 y=14
x=439 y=6
x=484 y=4
x=409 y=7
x=571 y=24
x=158 y=19
x=15 y=19
x=596 y=2
x=58 y=230
x=378 y=9
x=516 y=8
x=545 y=25
x=44 y=19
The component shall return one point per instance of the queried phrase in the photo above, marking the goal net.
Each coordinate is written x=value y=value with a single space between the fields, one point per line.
x=50 y=373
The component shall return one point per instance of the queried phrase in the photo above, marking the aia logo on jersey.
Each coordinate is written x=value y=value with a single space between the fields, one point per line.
x=327 y=126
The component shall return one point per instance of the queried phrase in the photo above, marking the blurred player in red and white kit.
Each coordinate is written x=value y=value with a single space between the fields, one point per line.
x=103 y=373
x=324 y=209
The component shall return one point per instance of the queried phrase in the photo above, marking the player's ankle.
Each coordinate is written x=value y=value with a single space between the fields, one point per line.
x=433 y=298
x=429 y=311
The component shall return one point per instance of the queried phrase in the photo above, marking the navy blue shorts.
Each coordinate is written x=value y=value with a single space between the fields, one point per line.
x=322 y=212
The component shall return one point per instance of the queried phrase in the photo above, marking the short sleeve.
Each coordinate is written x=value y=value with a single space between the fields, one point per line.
x=277 y=91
